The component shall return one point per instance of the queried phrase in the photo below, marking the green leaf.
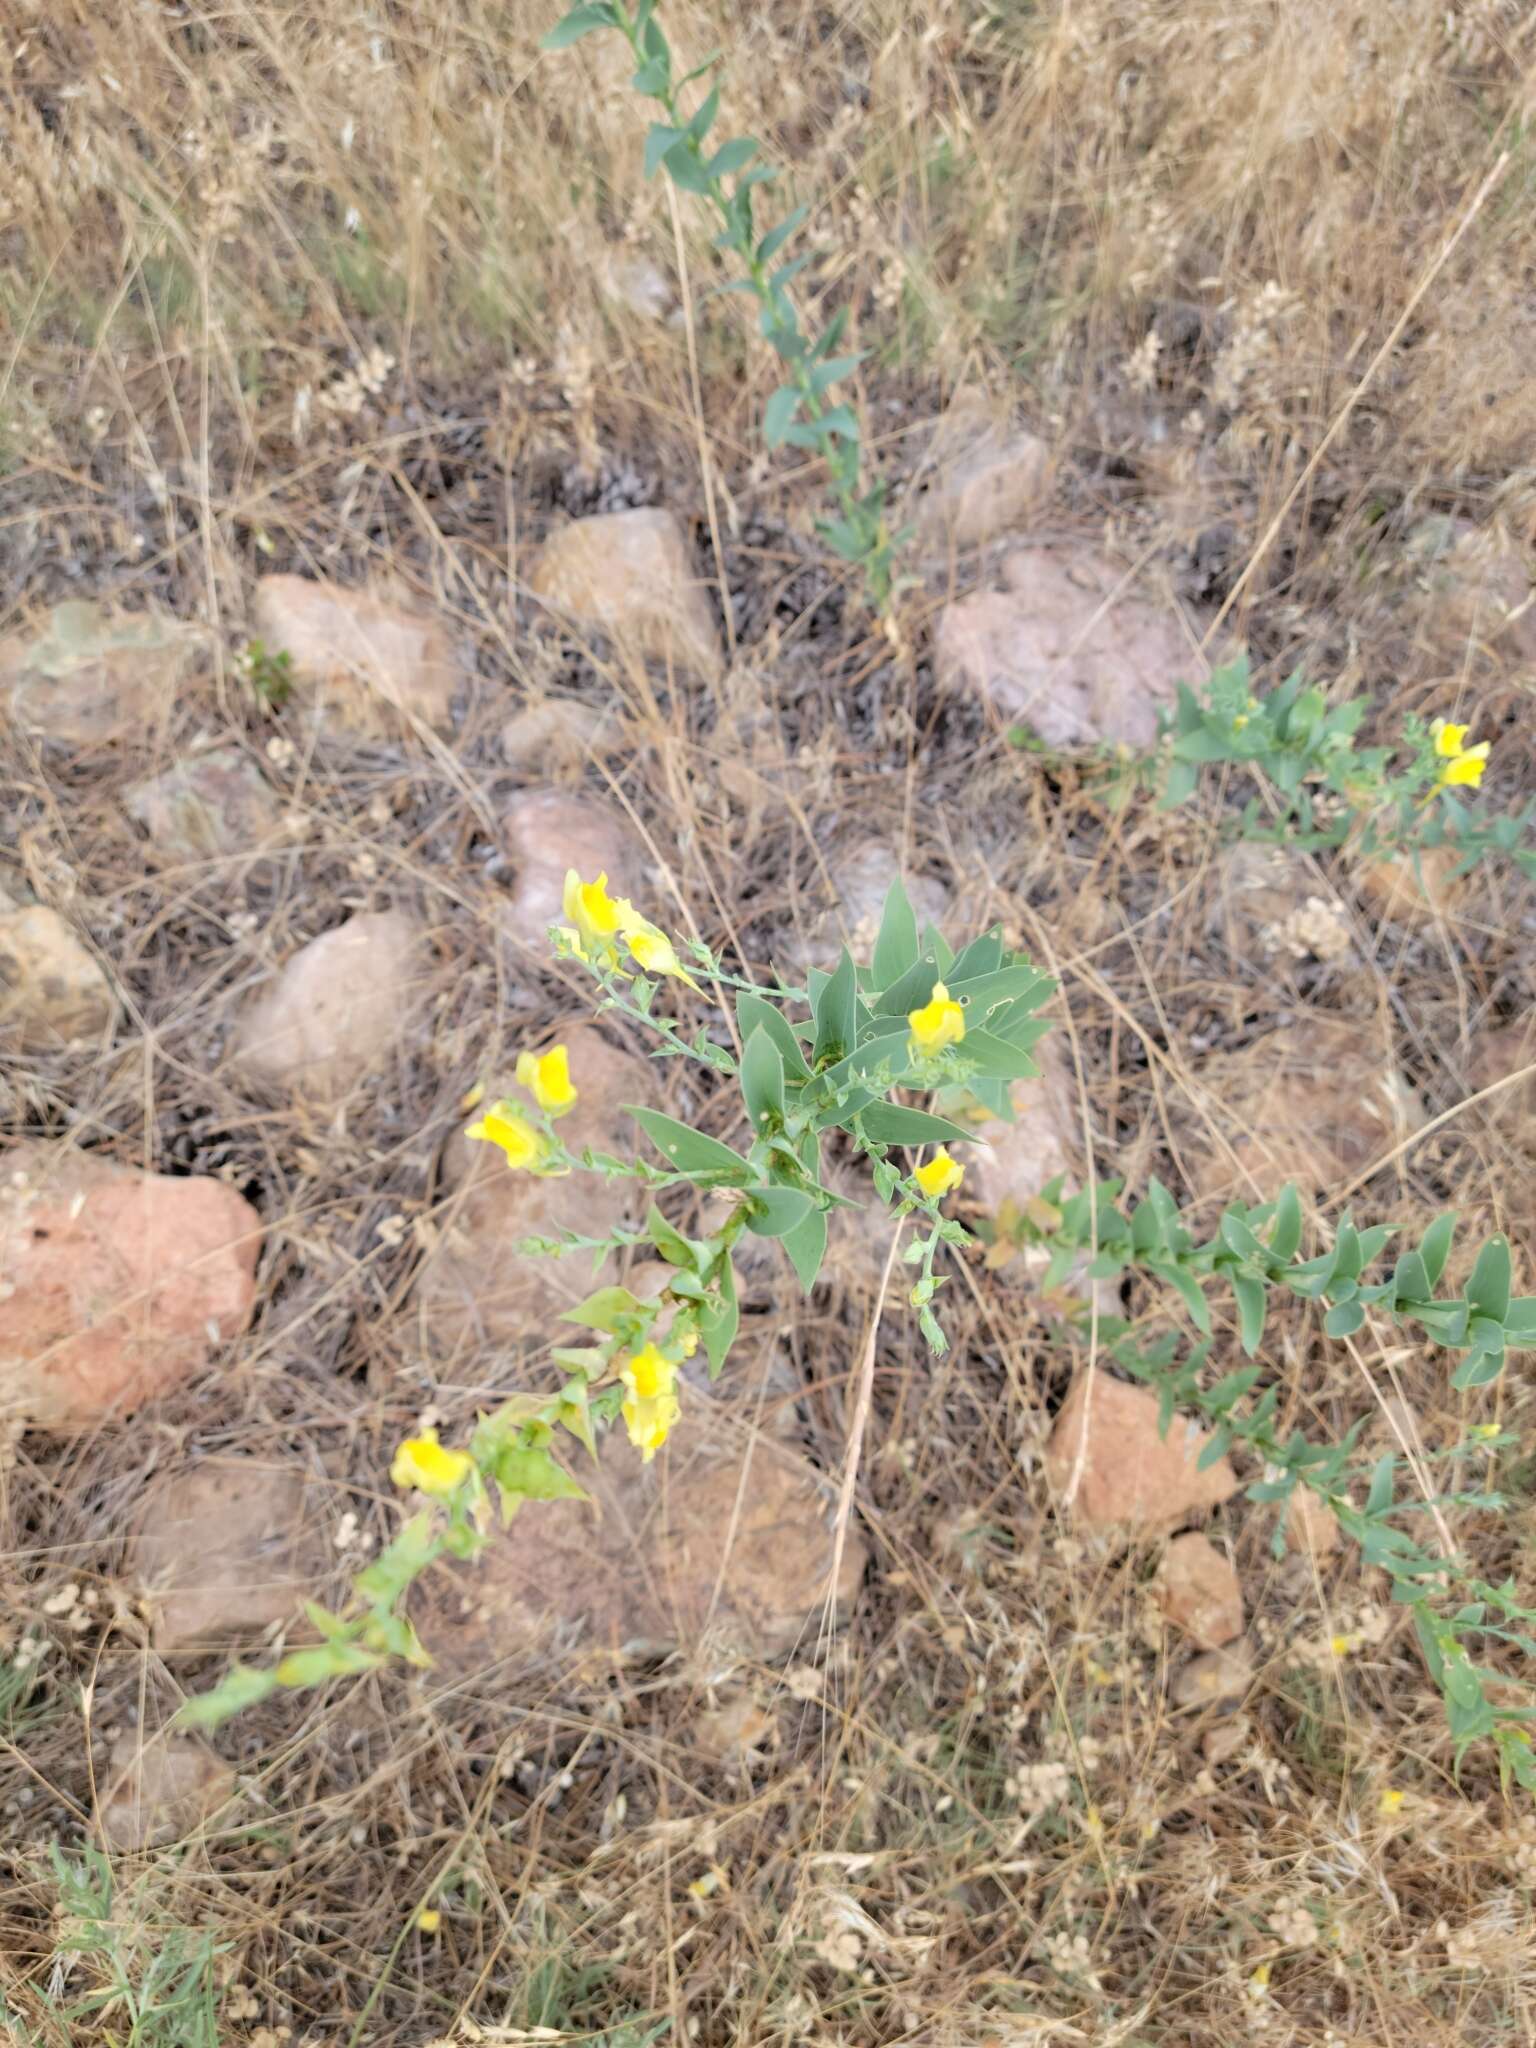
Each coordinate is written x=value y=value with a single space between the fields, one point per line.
x=605 y=1310
x=779 y=414
x=754 y=1013
x=836 y=1006
x=704 y=114
x=775 y=238
x=1435 y=1245
x=241 y=1686
x=1251 y=1302
x=775 y=1211
x=896 y=945
x=1410 y=1279
x=1478 y=1369
x=719 y=1320
x=581 y=21
x=1285 y=1234
x=1379 y=1499
x=1488 y=1289
x=892 y=1123
x=762 y=1083
x=671 y=1243
x=1239 y=1238
x=996 y=1058
x=690 y=1152
x=529 y=1472
x=658 y=141
x=1343 y=1319
x=1185 y=1286
x=806 y=1243
x=731 y=156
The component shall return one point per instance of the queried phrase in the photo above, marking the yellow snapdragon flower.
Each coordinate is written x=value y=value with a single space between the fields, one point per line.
x=651 y=1405
x=938 y=1023
x=1464 y=765
x=547 y=1077
x=595 y=916
x=425 y=1464
x=939 y=1175
x=526 y=1148
x=654 y=951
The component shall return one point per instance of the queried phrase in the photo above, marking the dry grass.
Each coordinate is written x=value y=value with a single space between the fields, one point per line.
x=333 y=290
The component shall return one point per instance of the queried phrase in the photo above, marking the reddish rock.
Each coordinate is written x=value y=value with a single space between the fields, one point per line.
x=161 y=1790
x=52 y=992
x=477 y=1289
x=337 y=1008
x=1200 y=1592
x=562 y=734
x=115 y=1285
x=721 y=1547
x=1315 y=1103
x=550 y=830
x=1224 y=1674
x=1131 y=1476
x=1066 y=648
x=224 y=1550
x=207 y=805
x=980 y=479
x=1414 y=889
x=92 y=675
x=370 y=664
x=632 y=576
x=1311 y=1526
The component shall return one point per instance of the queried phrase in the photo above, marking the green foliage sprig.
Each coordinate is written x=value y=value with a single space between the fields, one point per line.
x=827 y=1061
x=1258 y=1249
x=1318 y=787
x=802 y=412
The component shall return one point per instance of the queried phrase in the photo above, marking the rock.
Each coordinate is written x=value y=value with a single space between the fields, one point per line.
x=477 y=1289
x=115 y=1284
x=208 y=804
x=1413 y=889
x=1132 y=1477
x=1224 y=1674
x=161 y=1790
x=545 y=833
x=861 y=878
x=1221 y=1743
x=1268 y=903
x=632 y=576
x=1311 y=1526
x=1200 y=1592
x=1013 y=1162
x=52 y=993
x=336 y=1009
x=561 y=733
x=636 y=282
x=722 y=1547
x=980 y=480
x=371 y=665
x=1476 y=599
x=92 y=676
x=1065 y=649
x=224 y=1550
x=1315 y=1103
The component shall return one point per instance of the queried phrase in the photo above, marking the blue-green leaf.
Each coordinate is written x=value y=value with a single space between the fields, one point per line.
x=779 y=414
x=891 y=1123
x=775 y=1211
x=731 y=156
x=1343 y=1319
x=896 y=945
x=1250 y=1309
x=1285 y=1234
x=690 y=1151
x=755 y=1013
x=775 y=238
x=1488 y=1289
x=806 y=1243
x=719 y=1321
x=1435 y=1245
x=762 y=1083
x=581 y=21
x=836 y=1007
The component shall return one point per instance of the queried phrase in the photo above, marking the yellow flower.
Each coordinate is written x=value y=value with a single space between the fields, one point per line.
x=651 y=1406
x=422 y=1462
x=938 y=1023
x=654 y=951
x=1463 y=764
x=547 y=1077
x=595 y=915
x=939 y=1175
x=429 y=1919
x=1392 y=1801
x=526 y=1148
